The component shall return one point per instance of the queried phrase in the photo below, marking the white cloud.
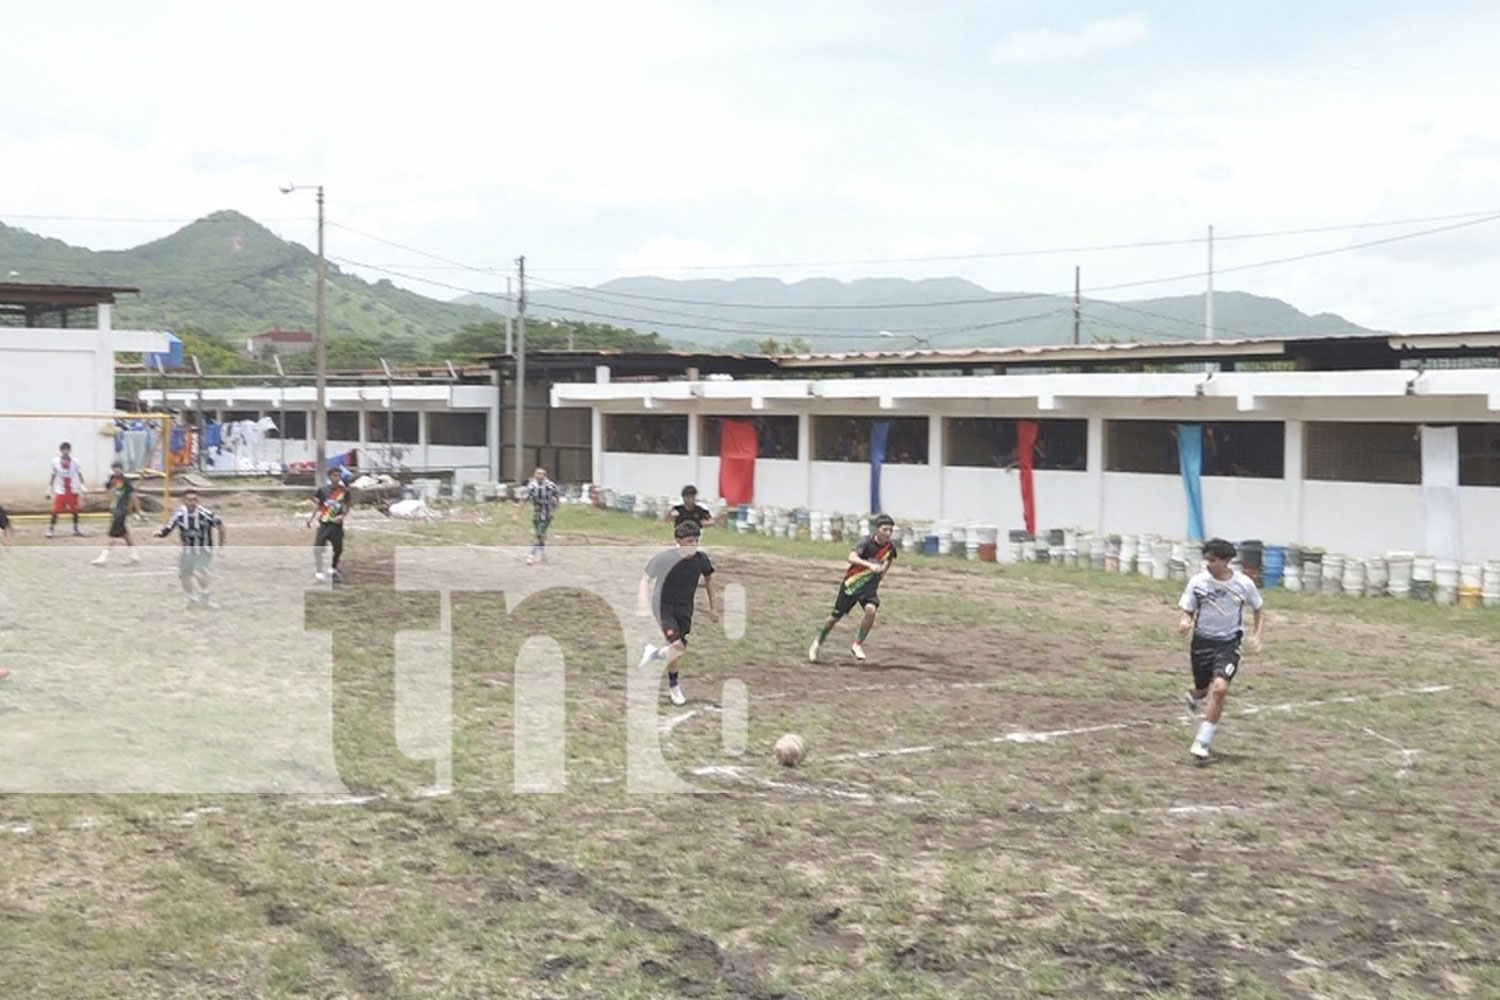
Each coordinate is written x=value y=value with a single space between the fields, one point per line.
x=1046 y=45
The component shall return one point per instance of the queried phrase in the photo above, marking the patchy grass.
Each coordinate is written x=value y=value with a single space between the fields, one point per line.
x=1033 y=827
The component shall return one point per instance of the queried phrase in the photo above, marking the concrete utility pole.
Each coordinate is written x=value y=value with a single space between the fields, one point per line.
x=1208 y=305
x=510 y=313
x=519 y=474
x=320 y=340
x=1077 y=302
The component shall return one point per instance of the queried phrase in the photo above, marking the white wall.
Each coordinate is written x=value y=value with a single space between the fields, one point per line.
x=57 y=371
x=993 y=496
x=1365 y=519
x=779 y=482
x=659 y=475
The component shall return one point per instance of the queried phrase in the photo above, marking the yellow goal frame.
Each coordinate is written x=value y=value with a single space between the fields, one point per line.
x=166 y=438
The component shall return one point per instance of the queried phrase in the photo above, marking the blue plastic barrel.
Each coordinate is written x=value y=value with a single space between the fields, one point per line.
x=930 y=545
x=1275 y=565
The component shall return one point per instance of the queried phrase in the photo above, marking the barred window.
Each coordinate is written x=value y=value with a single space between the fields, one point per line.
x=652 y=434
x=1364 y=452
x=847 y=439
x=1479 y=454
x=458 y=428
x=392 y=427
x=1253 y=449
x=343 y=425
x=776 y=437
x=990 y=442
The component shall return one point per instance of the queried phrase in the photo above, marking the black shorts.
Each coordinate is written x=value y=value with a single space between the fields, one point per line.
x=845 y=602
x=676 y=623
x=117 y=527
x=194 y=561
x=1214 y=658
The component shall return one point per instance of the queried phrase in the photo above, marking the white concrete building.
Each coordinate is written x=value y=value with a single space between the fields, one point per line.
x=57 y=358
x=1357 y=460
x=409 y=425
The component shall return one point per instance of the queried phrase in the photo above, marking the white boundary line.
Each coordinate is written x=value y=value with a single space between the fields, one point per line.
x=1047 y=736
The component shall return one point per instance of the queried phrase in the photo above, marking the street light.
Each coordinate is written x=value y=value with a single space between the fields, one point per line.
x=916 y=340
x=320 y=341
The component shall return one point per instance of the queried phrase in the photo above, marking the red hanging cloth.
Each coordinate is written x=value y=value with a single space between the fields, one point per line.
x=738 y=449
x=1026 y=454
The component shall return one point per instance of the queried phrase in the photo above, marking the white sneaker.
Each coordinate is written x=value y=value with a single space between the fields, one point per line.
x=647 y=656
x=812 y=651
x=334 y=574
x=1200 y=751
x=103 y=560
x=320 y=577
x=1194 y=704
x=858 y=650
x=51 y=532
x=135 y=558
x=678 y=698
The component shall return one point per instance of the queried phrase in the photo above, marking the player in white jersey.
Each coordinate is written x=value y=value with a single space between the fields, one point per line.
x=65 y=487
x=1213 y=610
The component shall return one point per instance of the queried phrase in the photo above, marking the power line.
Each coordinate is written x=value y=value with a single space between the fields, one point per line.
x=1036 y=252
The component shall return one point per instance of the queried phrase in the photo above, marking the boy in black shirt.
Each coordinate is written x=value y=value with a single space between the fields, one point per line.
x=689 y=510
x=332 y=505
x=675 y=574
x=861 y=584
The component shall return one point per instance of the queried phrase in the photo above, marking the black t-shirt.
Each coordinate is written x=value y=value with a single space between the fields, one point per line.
x=676 y=578
x=699 y=513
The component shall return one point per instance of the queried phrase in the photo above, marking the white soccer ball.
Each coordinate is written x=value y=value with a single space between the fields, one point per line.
x=790 y=750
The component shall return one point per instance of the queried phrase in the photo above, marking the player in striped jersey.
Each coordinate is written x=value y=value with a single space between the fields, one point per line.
x=861 y=585
x=195 y=524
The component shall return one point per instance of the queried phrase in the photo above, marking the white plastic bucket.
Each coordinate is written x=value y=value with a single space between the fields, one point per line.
x=971 y=541
x=1489 y=586
x=1312 y=576
x=1399 y=568
x=1129 y=545
x=1145 y=555
x=1377 y=575
x=1333 y=574
x=1291 y=576
x=1354 y=577
x=1161 y=556
x=1445 y=581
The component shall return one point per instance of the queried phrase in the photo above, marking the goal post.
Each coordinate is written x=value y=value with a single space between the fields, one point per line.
x=32 y=439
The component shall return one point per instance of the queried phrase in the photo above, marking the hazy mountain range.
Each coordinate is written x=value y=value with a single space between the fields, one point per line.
x=228 y=276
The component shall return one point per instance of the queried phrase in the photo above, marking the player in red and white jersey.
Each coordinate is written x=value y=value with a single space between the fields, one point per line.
x=65 y=488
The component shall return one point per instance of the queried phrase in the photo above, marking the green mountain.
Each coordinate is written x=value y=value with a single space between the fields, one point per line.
x=227 y=277
x=944 y=312
x=230 y=277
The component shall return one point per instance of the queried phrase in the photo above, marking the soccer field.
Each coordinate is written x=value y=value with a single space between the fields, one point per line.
x=999 y=802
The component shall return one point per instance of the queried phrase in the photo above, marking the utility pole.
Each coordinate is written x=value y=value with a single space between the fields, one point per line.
x=1208 y=304
x=320 y=341
x=322 y=338
x=510 y=312
x=520 y=367
x=1077 y=302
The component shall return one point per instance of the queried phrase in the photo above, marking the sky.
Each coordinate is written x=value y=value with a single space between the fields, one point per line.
x=1002 y=142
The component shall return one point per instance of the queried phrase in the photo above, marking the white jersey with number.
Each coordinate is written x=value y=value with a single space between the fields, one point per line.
x=1218 y=606
x=66 y=478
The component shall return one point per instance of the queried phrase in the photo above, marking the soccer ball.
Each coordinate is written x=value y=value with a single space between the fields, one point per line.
x=790 y=750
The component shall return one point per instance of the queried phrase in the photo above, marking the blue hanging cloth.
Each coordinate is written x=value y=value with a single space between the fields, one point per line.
x=880 y=434
x=1190 y=464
